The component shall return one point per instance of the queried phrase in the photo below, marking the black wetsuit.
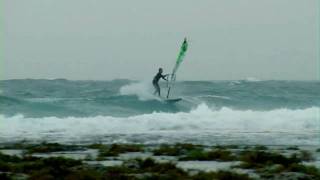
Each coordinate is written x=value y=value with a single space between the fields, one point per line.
x=156 y=80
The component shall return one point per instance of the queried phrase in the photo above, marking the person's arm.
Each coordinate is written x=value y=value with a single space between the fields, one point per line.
x=164 y=77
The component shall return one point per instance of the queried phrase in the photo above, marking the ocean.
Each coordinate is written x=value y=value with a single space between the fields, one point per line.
x=246 y=112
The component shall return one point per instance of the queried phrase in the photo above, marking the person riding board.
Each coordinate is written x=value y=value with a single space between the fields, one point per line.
x=156 y=80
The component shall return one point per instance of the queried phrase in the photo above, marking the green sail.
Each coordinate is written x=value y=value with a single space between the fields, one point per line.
x=180 y=58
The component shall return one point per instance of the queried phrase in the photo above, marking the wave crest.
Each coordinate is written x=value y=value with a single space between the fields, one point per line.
x=201 y=120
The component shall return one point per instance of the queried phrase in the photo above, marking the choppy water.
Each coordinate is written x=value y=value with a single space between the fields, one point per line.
x=211 y=112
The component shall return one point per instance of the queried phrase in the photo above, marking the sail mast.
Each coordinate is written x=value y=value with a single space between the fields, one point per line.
x=180 y=58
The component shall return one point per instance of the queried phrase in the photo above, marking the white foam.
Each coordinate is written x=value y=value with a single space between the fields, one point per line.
x=201 y=121
x=252 y=79
x=143 y=90
x=235 y=82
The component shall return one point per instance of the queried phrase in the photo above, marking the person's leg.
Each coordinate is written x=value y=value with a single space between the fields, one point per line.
x=155 y=88
x=158 y=90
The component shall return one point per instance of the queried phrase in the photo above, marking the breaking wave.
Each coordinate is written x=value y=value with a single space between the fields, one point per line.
x=201 y=121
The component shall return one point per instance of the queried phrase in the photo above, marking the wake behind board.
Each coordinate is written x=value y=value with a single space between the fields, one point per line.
x=172 y=100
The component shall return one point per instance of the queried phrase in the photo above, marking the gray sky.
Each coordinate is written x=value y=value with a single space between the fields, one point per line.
x=108 y=39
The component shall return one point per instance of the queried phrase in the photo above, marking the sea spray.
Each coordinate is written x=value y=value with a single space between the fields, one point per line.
x=143 y=90
x=202 y=121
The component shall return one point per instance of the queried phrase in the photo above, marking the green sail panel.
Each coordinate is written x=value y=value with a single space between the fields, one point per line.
x=180 y=58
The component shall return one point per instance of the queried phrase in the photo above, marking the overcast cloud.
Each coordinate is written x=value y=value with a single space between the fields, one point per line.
x=108 y=39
